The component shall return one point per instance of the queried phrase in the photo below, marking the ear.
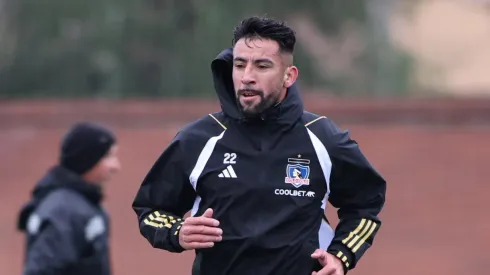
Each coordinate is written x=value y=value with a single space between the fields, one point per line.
x=290 y=76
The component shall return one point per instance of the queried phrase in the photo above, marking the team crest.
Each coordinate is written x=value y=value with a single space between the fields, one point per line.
x=297 y=172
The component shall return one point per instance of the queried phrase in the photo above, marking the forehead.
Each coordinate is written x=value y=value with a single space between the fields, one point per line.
x=253 y=48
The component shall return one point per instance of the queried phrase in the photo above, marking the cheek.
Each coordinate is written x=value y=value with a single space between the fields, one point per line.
x=107 y=172
x=282 y=80
x=272 y=83
x=104 y=170
x=236 y=76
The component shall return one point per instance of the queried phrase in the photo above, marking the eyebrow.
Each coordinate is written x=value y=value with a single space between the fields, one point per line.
x=259 y=60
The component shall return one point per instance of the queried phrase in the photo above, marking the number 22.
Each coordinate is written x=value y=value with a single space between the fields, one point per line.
x=229 y=158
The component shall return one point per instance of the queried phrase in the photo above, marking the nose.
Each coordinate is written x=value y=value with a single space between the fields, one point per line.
x=248 y=77
x=116 y=165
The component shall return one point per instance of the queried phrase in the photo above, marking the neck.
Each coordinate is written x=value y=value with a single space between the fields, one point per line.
x=284 y=93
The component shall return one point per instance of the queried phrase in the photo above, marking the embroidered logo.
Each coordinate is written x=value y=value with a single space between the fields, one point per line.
x=297 y=172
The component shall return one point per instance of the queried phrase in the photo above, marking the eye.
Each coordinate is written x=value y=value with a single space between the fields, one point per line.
x=263 y=66
x=239 y=65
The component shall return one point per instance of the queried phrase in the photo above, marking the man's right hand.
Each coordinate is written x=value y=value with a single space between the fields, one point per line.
x=200 y=232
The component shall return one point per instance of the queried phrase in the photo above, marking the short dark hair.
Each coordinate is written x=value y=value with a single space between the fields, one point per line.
x=266 y=28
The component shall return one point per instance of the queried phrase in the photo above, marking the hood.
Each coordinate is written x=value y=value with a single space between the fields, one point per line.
x=57 y=177
x=286 y=112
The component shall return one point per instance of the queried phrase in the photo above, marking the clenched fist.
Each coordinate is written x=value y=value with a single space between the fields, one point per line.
x=200 y=232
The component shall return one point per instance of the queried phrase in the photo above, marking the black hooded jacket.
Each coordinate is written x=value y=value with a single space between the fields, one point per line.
x=268 y=181
x=67 y=230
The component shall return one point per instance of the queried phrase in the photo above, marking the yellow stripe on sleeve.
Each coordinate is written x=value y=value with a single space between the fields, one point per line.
x=343 y=258
x=357 y=237
x=361 y=242
x=178 y=229
x=147 y=222
x=355 y=232
x=158 y=220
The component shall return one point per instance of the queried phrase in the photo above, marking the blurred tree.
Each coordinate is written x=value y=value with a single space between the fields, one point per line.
x=119 y=48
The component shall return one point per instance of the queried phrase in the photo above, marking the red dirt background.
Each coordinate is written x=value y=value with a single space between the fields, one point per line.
x=433 y=153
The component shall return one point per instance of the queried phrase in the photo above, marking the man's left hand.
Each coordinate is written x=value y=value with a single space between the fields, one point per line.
x=331 y=264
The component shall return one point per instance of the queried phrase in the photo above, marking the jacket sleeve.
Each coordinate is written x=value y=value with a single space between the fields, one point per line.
x=54 y=246
x=358 y=192
x=163 y=198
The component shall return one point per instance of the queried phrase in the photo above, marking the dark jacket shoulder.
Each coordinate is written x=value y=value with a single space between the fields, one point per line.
x=67 y=204
x=208 y=125
x=325 y=129
x=198 y=132
x=62 y=198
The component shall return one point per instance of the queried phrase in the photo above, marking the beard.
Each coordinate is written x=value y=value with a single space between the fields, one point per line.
x=255 y=109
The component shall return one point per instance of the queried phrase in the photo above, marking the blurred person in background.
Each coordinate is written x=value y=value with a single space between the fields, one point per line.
x=257 y=176
x=66 y=227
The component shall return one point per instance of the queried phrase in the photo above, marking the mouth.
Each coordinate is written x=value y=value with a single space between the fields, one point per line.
x=248 y=94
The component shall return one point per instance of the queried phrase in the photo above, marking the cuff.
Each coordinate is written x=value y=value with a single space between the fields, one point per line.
x=344 y=254
x=174 y=236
